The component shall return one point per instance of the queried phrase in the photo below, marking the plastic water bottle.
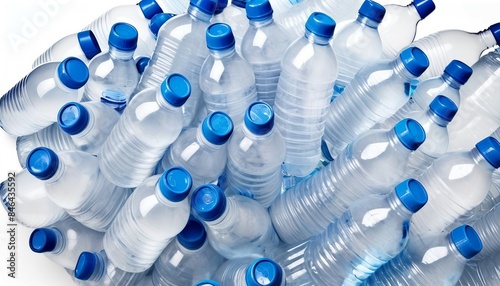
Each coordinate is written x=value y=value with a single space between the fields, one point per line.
x=399 y=27
x=182 y=53
x=479 y=110
x=94 y=268
x=367 y=235
x=255 y=153
x=30 y=203
x=188 y=258
x=263 y=46
x=32 y=104
x=358 y=43
x=201 y=151
x=234 y=15
x=376 y=93
x=487 y=226
x=436 y=259
x=444 y=46
x=63 y=241
x=141 y=63
x=158 y=21
x=449 y=181
x=113 y=75
x=448 y=84
x=226 y=79
x=282 y=6
x=237 y=226
x=177 y=7
x=481 y=273
x=305 y=87
x=82 y=45
x=138 y=235
x=150 y=123
x=74 y=182
x=250 y=272
x=207 y=283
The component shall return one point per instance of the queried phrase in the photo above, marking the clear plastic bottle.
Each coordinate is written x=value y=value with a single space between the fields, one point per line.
x=444 y=46
x=113 y=75
x=82 y=45
x=74 y=182
x=237 y=226
x=282 y=6
x=177 y=7
x=63 y=241
x=263 y=46
x=358 y=43
x=188 y=258
x=201 y=151
x=481 y=273
x=399 y=27
x=226 y=79
x=32 y=104
x=250 y=272
x=305 y=87
x=376 y=93
x=182 y=53
x=371 y=164
x=255 y=154
x=139 y=233
x=234 y=15
x=488 y=228
x=150 y=123
x=158 y=21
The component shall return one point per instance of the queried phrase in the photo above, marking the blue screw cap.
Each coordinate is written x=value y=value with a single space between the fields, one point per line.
x=495 y=30
x=321 y=25
x=490 y=149
x=459 y=71
x=175 y=184
x=86 y=265
x=149 y=8
x=410 y=133
x=123 y=36
x=207 y=283
x=466 y=240
x=205 y=6
x=221 y=5
x=88 y=44
x=443 y=107
x=220 y=37
x=73 y=118
x=372 y=10
x=73 y=73
x=239 y=3
x=415 y=60
x=176 y=89
x=259 y=118
x=157 y=22
x=412 y=194
x=42 y=163
x=141 y=64
x=424 y=7
x=217 y=127
x=258 y=10
x=264 y=271
x=43 y=240
x=193 y=236
x=208 y=202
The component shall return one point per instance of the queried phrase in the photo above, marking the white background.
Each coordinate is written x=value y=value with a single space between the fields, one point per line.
x=29 y=27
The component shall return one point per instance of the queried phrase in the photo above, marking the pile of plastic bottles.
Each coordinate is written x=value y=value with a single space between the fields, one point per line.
x=250 y=143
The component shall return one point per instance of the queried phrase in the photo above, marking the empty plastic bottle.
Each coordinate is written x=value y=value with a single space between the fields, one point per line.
x=437 y=259
x=444 y=46
x=201 y=151
x=226 y=79
x=255 y=154
x=113 y=75
x=207 y=283
x=371 y=164
x=237 y=226
x=82 y=45
x=188 y=258
x=358 y=43
x=140 y=232
x=485 y=272
x=148 y=126
x=157 y=22
x=305 y=87
x=234 y=15
x=399 y=27
x=263 y=46
x=376 y=93
x=449 y=181
x=74 y=182
x=141 y=63
x=32 y=104
x=487 y=226
x=63 y=241
x=250 y=272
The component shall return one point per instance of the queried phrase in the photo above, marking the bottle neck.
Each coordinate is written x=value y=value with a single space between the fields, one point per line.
x=365 y=21
x=190 y=251
x=315 y=39
x=59 y=173
x=60 y=84
x=197 y=14
x=480 y=160
x=202 y=140
x=395 y=203
x=397 y=145
x=60 y=241
x=262 y=22
x=162 y=199
x=453 y=250
x=99 y=269
x=436 y=119
x=227 y=219
x=487 y=39
x=90 y=125
x=451 y=81
x=253 y=136
x=162 y=102
x=218 y=54
x=401 y=71
x=413 y=10
x=117 y=54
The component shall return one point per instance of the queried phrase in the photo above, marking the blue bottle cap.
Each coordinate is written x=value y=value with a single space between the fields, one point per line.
x=86 y=265
x=495 y=30
x=219 y=37
x=217 y=127
x=176 y=89
x=207 y=283
x=258 y=10
x=88 y=44
x=157 y=21
x=43 y=240
x=123 y=36
x=149 y=8
x=259 y=118
x=458 y=71
x=42 y=163
x=141 y=64
x=466 y=240
x=73 y=73
x=264 y=271
x=415 y=60
x=208 y=202
x=175 y=184
x=490 y=149
x=410 y=133
x=221 y=5
x=73 y=118
x=443 y=107
x=239 y=3
x=205 y=6
x=372 y=10
x=412 y=194
x=424 y=7
x=321 y=25
x=193 y=236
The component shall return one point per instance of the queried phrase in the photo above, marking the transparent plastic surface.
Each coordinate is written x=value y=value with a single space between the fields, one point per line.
x=68 y=46
x=236 y=18
x=481 y=273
